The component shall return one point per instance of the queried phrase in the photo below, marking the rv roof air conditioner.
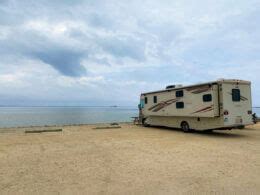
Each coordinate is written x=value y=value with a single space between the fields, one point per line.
x=170 y=87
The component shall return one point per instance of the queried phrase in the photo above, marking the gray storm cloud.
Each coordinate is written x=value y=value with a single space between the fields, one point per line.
x=63 y=55
x=65 y=61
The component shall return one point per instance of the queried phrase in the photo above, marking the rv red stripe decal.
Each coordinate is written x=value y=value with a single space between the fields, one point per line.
x=165 y=105
x=162 y=105
x=241 y=97
x=155 y=106
x=203 y=109
x=207 y=110
x=200 y=89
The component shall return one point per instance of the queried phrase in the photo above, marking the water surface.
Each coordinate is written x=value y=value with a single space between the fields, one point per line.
x=39 y=116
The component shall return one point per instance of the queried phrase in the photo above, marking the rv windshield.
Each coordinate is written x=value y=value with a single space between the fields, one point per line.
x=142 y=103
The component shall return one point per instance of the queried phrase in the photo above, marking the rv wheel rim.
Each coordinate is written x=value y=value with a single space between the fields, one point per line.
x=185 y=127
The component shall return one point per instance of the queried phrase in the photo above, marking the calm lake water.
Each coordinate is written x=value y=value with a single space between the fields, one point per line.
x=257 y=111
x=39 y=116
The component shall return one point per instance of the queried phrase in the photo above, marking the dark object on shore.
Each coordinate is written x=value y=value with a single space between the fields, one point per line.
x=113 y=124
x=114 y=106
x=108 y=127
x=136 y=120
x=241 y=127
x=43 y=131
x=254 y=118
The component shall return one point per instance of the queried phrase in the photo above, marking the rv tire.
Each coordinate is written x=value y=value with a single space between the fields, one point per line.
x=145 y=124
x=241 y=127
x=208 y=131
x=185 y=127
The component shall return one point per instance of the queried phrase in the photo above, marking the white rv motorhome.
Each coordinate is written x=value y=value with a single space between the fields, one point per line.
x=221 y=104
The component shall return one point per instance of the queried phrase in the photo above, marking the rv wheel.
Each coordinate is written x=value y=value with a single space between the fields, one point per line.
x=144 y=121
x=208 y=131
x=185 y=127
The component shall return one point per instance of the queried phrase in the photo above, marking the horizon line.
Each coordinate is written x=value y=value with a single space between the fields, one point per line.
x=67 y=106
x=80 y=106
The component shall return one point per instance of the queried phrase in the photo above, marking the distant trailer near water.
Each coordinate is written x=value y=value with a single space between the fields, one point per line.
x=221 y=104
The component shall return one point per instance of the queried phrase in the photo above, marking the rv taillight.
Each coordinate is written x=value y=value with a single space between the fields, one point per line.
x=226 y=112
x=249 y=112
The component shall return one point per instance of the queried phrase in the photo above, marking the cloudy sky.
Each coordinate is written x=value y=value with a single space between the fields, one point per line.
x=106 y=52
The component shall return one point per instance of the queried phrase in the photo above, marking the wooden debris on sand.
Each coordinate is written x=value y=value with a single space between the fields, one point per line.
x=108 y=127
x=43 y=130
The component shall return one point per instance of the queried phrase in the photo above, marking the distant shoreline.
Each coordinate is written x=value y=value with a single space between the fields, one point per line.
x=14 y=106
x=69 y=107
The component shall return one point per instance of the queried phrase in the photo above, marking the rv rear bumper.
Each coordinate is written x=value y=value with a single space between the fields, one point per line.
x=238 y=125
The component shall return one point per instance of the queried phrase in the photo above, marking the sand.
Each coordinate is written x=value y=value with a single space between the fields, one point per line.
x=130 y=160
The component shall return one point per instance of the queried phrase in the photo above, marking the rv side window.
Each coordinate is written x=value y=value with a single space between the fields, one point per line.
x=235 y=95
x=179 y=105
x=145 y=100
x=179 y=93
x=154 y=99
x=207 y=98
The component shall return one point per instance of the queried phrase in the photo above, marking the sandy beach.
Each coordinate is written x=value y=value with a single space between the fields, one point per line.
x=129 y=160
